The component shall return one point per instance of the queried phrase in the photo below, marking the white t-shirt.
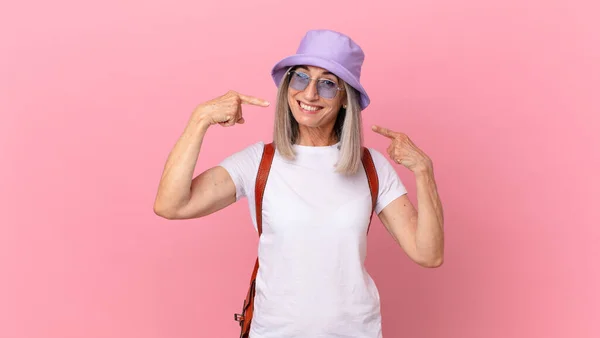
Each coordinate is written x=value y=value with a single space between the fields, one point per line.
x=311 y=281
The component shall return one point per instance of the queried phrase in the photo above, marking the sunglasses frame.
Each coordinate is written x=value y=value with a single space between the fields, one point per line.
x=338 y=89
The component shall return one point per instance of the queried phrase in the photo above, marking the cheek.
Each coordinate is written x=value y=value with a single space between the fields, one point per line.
x=337 y=102
x=335 y=108
x=291 y=96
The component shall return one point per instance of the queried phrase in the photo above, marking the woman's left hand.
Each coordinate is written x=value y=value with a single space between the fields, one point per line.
x=403 y=151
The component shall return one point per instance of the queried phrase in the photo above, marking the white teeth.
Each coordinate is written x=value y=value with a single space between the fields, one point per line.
x=310 y=108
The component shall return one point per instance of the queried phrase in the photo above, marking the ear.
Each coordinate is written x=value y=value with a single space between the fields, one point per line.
x=345 y=98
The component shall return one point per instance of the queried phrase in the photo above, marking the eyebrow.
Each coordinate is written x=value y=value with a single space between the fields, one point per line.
x=324 y=73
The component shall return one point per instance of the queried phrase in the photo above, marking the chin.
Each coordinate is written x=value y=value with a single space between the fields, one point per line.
x=305 y=120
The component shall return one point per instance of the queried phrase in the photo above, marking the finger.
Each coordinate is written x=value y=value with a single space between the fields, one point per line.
x=384 y=131
x=253 y=100
x=390 y=150
x=227 y=121
x=231 y=121
x=398 y=157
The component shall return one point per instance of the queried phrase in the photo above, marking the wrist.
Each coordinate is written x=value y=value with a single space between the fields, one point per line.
x=425 y=171
x=200 y=122
x=197 y=125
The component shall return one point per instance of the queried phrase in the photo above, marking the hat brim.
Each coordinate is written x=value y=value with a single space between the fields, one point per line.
x=279 y=70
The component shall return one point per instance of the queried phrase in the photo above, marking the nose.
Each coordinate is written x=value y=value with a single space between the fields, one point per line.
x=311 y=92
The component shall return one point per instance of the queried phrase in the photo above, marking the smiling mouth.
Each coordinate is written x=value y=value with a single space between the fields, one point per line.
x=309 y=108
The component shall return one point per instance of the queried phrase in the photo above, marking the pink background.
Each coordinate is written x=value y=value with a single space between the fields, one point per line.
x=501 y=94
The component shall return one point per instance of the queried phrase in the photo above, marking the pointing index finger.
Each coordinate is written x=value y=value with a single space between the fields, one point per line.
x=384 y=131
x=247 y=99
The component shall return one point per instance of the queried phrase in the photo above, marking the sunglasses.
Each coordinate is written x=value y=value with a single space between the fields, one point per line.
x=326 y=88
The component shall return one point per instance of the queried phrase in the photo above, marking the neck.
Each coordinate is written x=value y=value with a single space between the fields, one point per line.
x=316 y=137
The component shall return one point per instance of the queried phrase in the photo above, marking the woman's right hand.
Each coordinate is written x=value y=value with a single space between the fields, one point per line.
x=225 y=110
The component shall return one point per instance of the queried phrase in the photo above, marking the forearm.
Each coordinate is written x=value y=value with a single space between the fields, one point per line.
x=429 y=237
x=174 y=189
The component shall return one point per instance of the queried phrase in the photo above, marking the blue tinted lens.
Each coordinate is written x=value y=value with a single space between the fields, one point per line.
x=325 y=88
x=299 y=81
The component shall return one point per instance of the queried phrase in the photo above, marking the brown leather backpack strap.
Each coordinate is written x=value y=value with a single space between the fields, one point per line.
x=372 y=178
x=259 y=189
x=264 y=168
x=261 y=181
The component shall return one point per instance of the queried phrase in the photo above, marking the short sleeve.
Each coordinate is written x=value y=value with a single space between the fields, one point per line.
x=390 y=185
x=242 y=166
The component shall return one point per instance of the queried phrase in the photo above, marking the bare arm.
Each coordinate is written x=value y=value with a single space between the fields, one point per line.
x=179 y=195
x=420 y=233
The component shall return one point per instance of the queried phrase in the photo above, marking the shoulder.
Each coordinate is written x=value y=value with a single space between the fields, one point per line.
x=390 y=185
x=253 y=149
x=250 y=153
x=245 y=161
x=379 y=159
x=385 y=168
x=242 y=167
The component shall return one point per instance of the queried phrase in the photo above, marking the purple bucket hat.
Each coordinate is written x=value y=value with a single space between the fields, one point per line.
x=330 y=50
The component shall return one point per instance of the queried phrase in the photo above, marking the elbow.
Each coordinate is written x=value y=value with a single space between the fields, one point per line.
x=164 y=212
x=434 y=261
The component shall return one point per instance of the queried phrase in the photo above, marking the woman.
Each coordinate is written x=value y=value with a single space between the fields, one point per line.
x=317 y=204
